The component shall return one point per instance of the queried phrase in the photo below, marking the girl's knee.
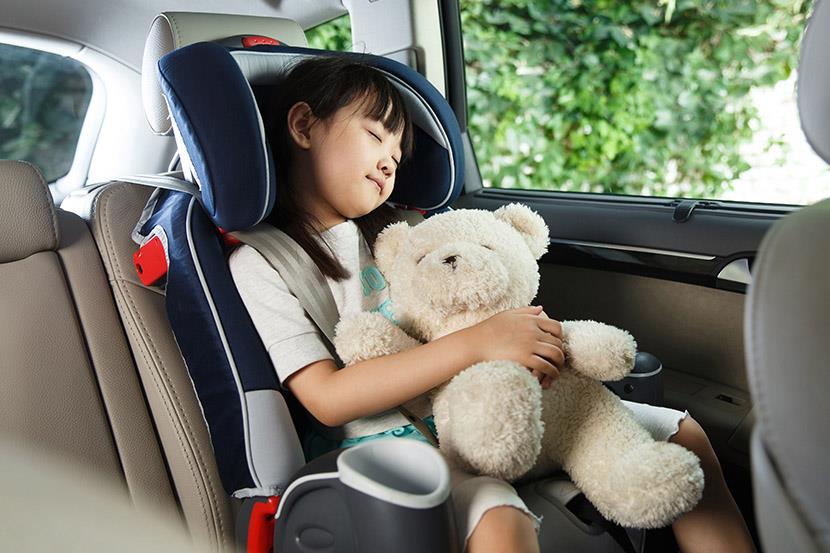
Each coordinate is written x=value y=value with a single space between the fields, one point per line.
x=692 y=436
x=505 y=525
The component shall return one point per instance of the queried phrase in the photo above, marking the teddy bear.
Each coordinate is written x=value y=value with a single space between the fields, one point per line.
x=456 y=269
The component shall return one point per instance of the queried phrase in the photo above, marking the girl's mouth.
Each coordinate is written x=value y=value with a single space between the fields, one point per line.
x=377 y=182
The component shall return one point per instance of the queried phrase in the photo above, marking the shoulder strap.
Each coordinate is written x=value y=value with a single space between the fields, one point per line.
x=309 y=286
x=301 y=275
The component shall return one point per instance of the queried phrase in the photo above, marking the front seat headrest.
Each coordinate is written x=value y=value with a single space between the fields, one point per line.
x=27 y=214
x=172 y=30
x=814 y=80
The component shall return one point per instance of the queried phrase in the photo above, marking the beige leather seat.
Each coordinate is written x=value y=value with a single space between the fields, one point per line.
x=68 y=385
x=787 y=328
x=207 y=509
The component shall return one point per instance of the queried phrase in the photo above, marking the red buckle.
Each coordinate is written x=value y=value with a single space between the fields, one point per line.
x=258 y=40
x=150 y=261
x=261 y=525
x=229 y=240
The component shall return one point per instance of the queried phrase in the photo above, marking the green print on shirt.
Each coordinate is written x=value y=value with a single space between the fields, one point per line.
x=373 y=281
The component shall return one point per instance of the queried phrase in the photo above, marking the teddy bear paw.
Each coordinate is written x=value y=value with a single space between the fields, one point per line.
x=489 y=419
x=367 y=335
x=650 y=487
x=599 y=351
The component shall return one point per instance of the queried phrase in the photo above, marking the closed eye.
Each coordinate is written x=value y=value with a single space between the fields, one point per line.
x=420 y=259
x=375 y=135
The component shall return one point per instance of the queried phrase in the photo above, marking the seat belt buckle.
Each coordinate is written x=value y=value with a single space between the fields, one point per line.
x=261 y=525
x=151 y=261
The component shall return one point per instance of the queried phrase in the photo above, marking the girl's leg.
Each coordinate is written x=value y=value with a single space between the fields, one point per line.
x=504 y=529
x=715 y=525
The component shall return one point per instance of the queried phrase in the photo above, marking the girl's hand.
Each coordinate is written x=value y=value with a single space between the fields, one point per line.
x=526 y=336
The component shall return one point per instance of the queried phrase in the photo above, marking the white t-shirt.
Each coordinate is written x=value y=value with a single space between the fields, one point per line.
x=290 y=337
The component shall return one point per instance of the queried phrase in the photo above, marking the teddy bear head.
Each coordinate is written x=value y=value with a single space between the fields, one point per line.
x=458 y=268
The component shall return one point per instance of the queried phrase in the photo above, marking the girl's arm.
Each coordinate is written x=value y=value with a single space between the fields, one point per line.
x=336 y=397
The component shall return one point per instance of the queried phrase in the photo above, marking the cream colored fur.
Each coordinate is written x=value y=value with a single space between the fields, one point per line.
x=455 y=270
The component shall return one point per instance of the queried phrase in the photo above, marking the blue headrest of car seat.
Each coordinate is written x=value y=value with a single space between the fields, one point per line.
x=225 y=152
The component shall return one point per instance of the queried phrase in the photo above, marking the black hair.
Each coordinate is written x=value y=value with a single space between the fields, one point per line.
x=327 y=84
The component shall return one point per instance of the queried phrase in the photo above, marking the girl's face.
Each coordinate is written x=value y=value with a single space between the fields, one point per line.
x=350 y=165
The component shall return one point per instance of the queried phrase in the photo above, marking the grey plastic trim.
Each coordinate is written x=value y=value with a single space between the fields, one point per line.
x=392 y=460
x=299 y=482
x=272 y=435
x=655 y=372
x=737 y=271
x=634 y=249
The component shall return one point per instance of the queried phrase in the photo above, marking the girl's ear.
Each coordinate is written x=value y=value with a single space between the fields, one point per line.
x=529 y=224
x=389 y=245
x=300 y=118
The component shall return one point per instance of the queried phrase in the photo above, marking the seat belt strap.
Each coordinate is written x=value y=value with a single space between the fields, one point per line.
x=305 y=280
x=301 y=275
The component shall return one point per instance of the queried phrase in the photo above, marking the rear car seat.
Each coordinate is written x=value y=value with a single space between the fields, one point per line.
x=68 y=385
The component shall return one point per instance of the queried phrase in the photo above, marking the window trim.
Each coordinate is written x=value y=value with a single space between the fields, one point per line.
x=473 y=184
x=93 y=119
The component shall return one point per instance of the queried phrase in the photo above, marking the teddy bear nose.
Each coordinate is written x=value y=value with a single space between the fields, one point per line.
x=450 y=260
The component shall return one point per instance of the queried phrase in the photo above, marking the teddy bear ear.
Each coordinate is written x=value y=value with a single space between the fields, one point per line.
x=529 y=224
x=389 y=244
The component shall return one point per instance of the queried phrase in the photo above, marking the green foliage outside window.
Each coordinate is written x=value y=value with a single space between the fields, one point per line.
x=333 y=35
x=622 y=97
x=642 y=97
x=43 y=102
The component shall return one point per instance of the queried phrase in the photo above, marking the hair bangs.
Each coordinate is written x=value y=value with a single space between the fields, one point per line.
x=382 y=102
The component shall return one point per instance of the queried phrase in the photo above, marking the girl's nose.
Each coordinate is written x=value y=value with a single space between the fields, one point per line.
x=386 y=165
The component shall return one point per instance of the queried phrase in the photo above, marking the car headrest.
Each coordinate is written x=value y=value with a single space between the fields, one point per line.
x=172 y=30
x=27 y=215
x=222 y=142
x=814 y=80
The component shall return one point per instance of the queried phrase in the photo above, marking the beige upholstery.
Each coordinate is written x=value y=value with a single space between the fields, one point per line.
x=787 y=334
x=788 y=346
x=27 y=217
x=177 y=414
x=172 y=30
x=67 y=381
x=48 y=506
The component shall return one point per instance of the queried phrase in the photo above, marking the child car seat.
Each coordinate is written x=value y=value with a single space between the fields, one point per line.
x=226 y=158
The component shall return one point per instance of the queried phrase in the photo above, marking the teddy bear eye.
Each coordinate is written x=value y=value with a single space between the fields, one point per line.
x=421 y=258
x=485 y=246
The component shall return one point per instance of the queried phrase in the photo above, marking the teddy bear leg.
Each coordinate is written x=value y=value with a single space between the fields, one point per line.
x=488 y=419
x=630 y=478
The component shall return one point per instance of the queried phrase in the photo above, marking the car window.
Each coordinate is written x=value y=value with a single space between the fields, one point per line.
x=670 y=98
x=332 y=35
x=43 y=101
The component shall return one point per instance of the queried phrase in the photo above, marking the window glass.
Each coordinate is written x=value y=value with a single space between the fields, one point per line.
x=333 y=35
x=679 y=98
x=43 y=102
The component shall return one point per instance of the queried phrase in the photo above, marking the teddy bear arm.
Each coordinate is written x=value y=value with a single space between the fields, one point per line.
x=597 y=350
x=368 y=335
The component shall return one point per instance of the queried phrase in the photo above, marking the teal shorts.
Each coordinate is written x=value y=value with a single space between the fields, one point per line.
x=315 y=444
x=407 y=431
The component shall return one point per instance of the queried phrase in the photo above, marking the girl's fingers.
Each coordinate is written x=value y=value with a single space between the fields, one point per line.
x=551 y=326
x=542 y=365
x=552 y=353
